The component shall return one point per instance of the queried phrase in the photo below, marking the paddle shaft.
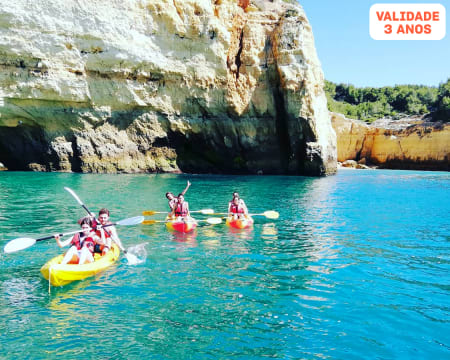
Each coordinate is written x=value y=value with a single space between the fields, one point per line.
x=65 y=234
x=202 y=211
x=211 y=221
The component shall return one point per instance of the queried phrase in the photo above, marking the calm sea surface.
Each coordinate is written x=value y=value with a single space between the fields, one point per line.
x=357 y=266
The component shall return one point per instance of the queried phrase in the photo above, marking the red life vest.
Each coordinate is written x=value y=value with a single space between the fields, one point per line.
x=76 y=241
x=181 y=209
x=236 y=209
x=98 y=233
x=89 y=243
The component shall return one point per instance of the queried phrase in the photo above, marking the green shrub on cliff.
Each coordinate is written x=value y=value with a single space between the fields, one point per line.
x=443 y=102
x=370 y=103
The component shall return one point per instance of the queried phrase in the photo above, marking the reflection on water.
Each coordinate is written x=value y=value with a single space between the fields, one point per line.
x=187 y=239
x=269 y=230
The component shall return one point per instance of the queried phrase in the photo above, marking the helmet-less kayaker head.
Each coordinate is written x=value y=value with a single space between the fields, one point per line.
x=86 y=225
x=103 y=216
x=180 y=198
x=170 y=196
x=235 y=195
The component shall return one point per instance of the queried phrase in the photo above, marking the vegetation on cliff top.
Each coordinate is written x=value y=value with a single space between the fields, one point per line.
x=369 y=104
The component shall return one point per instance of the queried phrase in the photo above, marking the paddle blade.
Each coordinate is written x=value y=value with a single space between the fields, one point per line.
x=18 y=244
x=204 y=211
x=214 y=221
x=270 y=214
x=74 y=195
x=207 y=211
x=132 y=259
x=131 y=221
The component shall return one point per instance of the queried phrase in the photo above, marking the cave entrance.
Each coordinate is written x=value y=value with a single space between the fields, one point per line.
x=22 y=145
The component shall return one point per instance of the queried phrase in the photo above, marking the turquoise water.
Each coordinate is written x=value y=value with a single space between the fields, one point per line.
x=357 y=266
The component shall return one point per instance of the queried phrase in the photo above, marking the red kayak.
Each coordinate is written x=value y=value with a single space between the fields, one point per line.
x=183 y=225
x=240 y=223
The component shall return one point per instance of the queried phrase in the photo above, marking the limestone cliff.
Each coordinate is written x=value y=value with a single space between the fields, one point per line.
x=162 y=85
x=411 y=143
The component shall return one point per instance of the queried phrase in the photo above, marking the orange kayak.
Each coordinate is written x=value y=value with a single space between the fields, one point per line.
x=240 y=223
x=183 y=225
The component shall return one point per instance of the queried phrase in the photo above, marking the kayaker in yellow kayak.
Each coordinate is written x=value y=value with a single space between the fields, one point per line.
x=173 y=200
x=107 y=234
x=82 y=244
x=237 y=208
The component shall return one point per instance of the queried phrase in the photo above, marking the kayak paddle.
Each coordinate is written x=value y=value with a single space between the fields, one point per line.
x=270 y=214
x=24 y=243
x=203 y=212
x=212 y=221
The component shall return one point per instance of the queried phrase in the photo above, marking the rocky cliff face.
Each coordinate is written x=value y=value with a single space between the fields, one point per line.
x=162 y=85
x=412 y=143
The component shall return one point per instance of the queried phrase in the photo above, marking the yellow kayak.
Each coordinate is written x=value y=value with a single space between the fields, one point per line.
x=64 y=274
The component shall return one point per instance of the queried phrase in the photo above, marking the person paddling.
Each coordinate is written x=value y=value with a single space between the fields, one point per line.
x=173 y=200
x=181 y=210
x=82 y=244
x=237 y=207
x=105 y=235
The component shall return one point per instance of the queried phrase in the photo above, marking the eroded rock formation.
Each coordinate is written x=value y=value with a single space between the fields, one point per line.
x=412 y=143
x=158 y=85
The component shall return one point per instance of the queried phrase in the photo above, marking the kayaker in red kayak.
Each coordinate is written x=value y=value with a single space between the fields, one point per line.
x=82 y=244
x=181 y=209
x=173 y=200
x=237 y=208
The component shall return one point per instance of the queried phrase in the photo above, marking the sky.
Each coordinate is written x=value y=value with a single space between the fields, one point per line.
x=349 y=55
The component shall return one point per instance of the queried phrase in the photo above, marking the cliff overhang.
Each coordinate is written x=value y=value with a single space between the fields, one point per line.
x=162 y=86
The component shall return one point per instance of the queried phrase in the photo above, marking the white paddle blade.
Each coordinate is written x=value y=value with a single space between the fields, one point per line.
x=18 y=244
x=132 y=259
x=270 y=214
x=74 y=195
x=131 y=221
x=214 y=221
x=207 y=211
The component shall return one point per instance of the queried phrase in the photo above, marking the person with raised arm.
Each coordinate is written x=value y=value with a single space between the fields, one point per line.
x=173 y=200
